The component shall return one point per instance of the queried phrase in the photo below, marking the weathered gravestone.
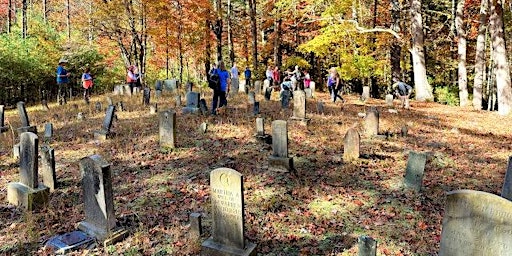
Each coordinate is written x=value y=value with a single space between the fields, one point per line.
x=257 y=87
x=48 y=167
x=153 y=109
x=242 y=87
x=476 y=223
x=104 y=133
x=367 y=246
x=97 y=106
x=192 y=103
x=285 y=98
x=167 y=129
x=312 y=86
x=48 y=132
x=146 y=96
x=196 y=229
x=3 y=128
x=28 y=193
x=65 y=243
x=309 y=93
x=279 y=158
x=80 y=116
x=97 y=192
x=251 y=97
x=260 y=126
x=389 y=100
x=120 y=106
x=366 y=93
x=25 y=124
x=177 y=101
x=351 y=145
x=299 y=106
x=371 y=122
x=268 y=93
x=256 y=108
x=126 y=90
x=203 y=107
x=118 y=89
x=226 y=193
x=158 y=85
x=136 y=90
x=506 y=191
x=320 y=107
x=266 y=85
x=415 y=170
x=170 y=85
x=235 y=85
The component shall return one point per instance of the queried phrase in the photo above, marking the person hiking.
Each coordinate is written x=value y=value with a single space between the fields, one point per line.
x=334 y=84
x=403 y=92
x=87 y=83
x=219 y=94
x=132 y=77
x=62 y=81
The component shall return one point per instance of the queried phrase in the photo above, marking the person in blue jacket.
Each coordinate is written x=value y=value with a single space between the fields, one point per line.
x=62 y=81
x=219 y=95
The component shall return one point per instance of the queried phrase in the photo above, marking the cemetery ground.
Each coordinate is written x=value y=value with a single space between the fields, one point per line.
x=319 y=209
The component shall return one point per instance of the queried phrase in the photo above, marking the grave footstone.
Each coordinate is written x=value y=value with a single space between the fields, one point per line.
x=299 y=106
x=104 y=132
x=226 y=193
x=196 y=229
x=44 y=104
x=309 y=93
x=256 y=108
x=146 y=97
x=153 y=109
x=266 y=85
x=3 y=128
x=28 y=193
x=192 y=103
x=203 y=107
x=109 y=101
x=251 y=97
x=65 y=243
x=476 y=223
x=371 y=122
x=48 y=132
x=506 y=191
x=97 y=106
x=268 y=93
x=235 y=85
x=414 y=170
x=285 y=98
x=48 y=167
x=120 y=106
x=25 y=124
x=177 y=100
x=97 y=193
x=389 y=100
x=367 y=246
x=167 y=129
x=320 y=107
x=279 y=158
x=366 y=93
x=351 y=145
x=257 y=87
x=203 y=127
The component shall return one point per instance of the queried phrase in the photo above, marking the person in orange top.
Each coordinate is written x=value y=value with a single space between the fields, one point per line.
x=87 y=83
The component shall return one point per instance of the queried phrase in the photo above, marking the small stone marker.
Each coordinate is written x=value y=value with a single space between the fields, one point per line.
x=226 y=193
x=189 y=86
x=44 y=104
x=65 y=243
x=268 y=93
x=285 y=98
x=203 y=107
x=320 y=107
x=312 y=86
x=104 y=133
x=80 y=116
x=279 y=158
x=192 y=103
x=351 y=145
x=203 y=127
x=476 y=223
x=167 y=129
x=109 y=101
x=97 y=193
x=48 y=167
x=366 y=93
x=404 y=131
x=97 y=106
x=25 y=124
x=153 y=109
x=309 y=93
x=257 y=87
x=28 y=193
x=146 y=97
x=299 y=106
x=48 y=132
x=371 y=122
x=506 y=191
x=16 y=151
x=196 y=229
x=260 y=126
x=414 y=170
x=158 y=85
x=367 y=246
x=177 y=100
x=120 y=106
x=235 y=85
x=266 y=85
x=389 y=100
x=251 y=97
x=256 y=108
x=3 y=128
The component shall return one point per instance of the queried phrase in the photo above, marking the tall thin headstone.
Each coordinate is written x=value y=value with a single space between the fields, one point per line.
x=192 y=103
x=177 y=100
x=167 y=129
x=257 y=86
x=251 y=97
x=351 y=145
x=312 y=87
x=227 y=198
x=28 y=193
x=48 y=132
x=268 y=93
x=25 y=124
x=366 y=93
x=371 y=122
x=97 y=106
x=299 y=105
x=104 y=133
x=279 y=158
x=97 y=192
x=320 y=107
x=415 y=170
x=48 y=167
x=260 y=126
x=146 y=96
x=285 y=98
x=235 y=85
x=506 y=191
x=256 y=108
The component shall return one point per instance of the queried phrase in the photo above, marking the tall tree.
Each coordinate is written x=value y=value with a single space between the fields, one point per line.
x=480 y=73
x=396 y=49
x=24 y=19
x=462 y=70
x=68 y=18
x=217 y=28
x=254 y=33
x=277 y=43
x=231 y=47
x=421 y=85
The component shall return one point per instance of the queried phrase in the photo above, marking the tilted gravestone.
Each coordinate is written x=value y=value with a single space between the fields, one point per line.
x=167 y=129
x=146 y=96
x=25 y=124
x=203 y=107
x=48 y=132
x=251 y=97
x=415 y=170
x=279 y=158
x=371 y=122
x=351 y=145
x=506 y=191
x=389 y=100
x=105 y=133
x=192 y=103
x=48 y=167
x=476 y=223
x=227 y=202
x=256 y=108
x=257 y=86
x=28 y=193
x=285 y=98
x=97 y=193
x=299 y=106
x=3 y=128
x=367 y=246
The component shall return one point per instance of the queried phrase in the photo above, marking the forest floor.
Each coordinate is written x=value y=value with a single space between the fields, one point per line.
x=320 y=210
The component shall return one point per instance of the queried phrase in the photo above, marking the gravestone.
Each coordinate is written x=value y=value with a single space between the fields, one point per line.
x=109 y=101
x=97 y=193
x=167 y=129
x=192 y=103
x=371 y=122
x=242 y=87
x=177 y=100
x=268 y=93
x=120 y=106
x=158 y=85
x=127 y=90
x=65 y=243
x=153 y=109
x=257 y=87
x=104 y=132
x=260 y=126
x=25 y=124
x=320 y=107
x=266 y=85
x=44 y=105
x=203 y=107
x=506 y=191
x=158 y=94
x=366 y=93
x=136 y=90
x=309 y=93
x=146 y=97
x=299 y=106
x=285 y=98
x=80 y=116
x=279 y=158
x=189 y=86
x=312 y=86
x=414 y=170
x=251 y=97
x=351 y=145
x=122 y=88
x=389 y=100
x=235 y=85
x=48 y=167
x=367 y=246
x=476 y=223
x=404 y=131
x=117 y=90
x=170 y=85
x=196 y=229
x=256 y=108
x=97 y=106
x=3 y=128
x=48 y=132
x=28 y=193
x=203 y=127
x=226 y=193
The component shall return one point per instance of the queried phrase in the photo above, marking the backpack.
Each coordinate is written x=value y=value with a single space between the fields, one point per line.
x=214 y=79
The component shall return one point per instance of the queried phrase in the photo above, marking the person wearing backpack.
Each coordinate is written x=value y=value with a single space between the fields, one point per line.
x=219 y=94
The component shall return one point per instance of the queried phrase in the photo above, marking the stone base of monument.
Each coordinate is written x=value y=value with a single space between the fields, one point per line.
x=285 y=163
x=212 y=248
x=302 y=121
x=3 y=129
x=23 y=196
x=103 y=236
x=102 y=135
x=190 y=110
x=27 y=129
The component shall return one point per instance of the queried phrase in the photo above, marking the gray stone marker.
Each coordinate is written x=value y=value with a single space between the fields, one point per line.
x=196 y=229
x=3 y=128
x=285 y=98
x=28 y=193
x=260 y=126
x=97 y=106
x=25 y=124
x=167 y=129
x=153 y=109
x=203 y=107
x=320 y=107
x=235 y=85
x=158 y=85
x=146 y=96
x=251 y=97
x=48 y=132
x=476 y=223
x=109 y=101
x=266 y=85
x=227 y=199
x=367 y=246
x=257 y=87
x=120 y=106
x=203 y=127
x=389 y=100
x=506 y=191
x=312 y=86
x=170 y=85
x=97 y=193
x=299 y=106
x=65 y=243
x=268 y=93
x=279 y=158
x=48 y=167
x=309 y=93
x=371 y=122
x=127 y=90
x=104 y=133
x=366 y=93
x=256 y=108
x=117 y=89
x=192 y=103
x=177 y=100
x=351 y=145
x=415 y=170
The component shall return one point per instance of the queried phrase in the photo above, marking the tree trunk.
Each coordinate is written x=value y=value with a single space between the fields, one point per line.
x=24 y=22
x=480 y=72
x=207 y=52
x=421 y=85
x=9 y=16
x=231 y=47
x=45 y=10
x=462 y=71
x=218 y=28
x=502 y=70
x=396 y=49
x=68 y=19
x=277 y=43
x=89 y=21
x=180 y=39
x=252 y=7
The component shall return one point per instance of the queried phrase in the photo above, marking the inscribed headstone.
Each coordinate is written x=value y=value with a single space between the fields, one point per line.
x=167 y=129
x=415 y=170
x=257 y=86
x=351 y=145
x=279 y=138
x=366 y=93
x=299 y=104
x=251 y=97
x=48 y=132
x=309 y=93
x=256 y=108
x=506 y=191
x=371 y=122
x=192 y=103
x=285 y=98
x=260 y=126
